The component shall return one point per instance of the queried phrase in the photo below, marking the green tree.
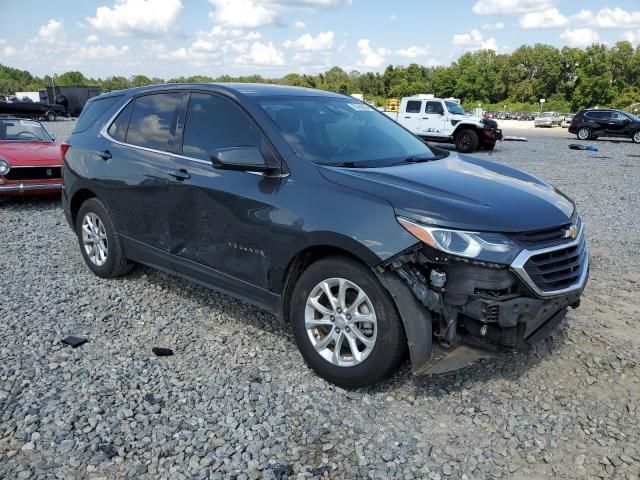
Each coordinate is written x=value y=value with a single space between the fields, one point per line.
x=71 y=79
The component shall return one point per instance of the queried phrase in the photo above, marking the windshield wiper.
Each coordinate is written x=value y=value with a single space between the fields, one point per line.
x=345 y=165
x=416 y=159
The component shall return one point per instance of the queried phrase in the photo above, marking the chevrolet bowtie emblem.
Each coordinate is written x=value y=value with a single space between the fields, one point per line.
x=571 y=232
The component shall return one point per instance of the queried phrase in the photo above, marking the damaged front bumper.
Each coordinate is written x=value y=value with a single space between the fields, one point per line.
x=456 y=310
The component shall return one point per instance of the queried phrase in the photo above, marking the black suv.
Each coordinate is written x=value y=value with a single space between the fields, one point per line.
x=329 y=214
x=591 y=124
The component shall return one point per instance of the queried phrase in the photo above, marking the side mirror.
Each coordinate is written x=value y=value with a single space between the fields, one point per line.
x=244 y=159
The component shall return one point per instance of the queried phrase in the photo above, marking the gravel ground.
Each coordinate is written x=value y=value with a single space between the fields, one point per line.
x=236 y=401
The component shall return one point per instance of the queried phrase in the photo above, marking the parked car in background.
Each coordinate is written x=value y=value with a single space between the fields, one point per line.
x=591 y=124
x=30 y=160
x=31 y=109
x=548 y=119
x=566 y=120
x=324 y=211
x=443 y=120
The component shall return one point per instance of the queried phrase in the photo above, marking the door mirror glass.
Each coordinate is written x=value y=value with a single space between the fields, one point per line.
x=248 y=159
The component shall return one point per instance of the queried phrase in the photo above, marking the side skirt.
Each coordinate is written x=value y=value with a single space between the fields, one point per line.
x=200 y=274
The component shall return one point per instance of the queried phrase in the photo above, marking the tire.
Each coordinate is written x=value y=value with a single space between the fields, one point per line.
x=50 y=116
x=114 y=263
x=466 y=141
x=584 y=133
x=635 y=136
x=378 y=360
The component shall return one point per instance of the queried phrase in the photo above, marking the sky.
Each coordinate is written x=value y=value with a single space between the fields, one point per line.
x=169 y=38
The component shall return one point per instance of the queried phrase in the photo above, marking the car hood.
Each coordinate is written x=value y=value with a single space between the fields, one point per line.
x=462 y=192
x=31 y=153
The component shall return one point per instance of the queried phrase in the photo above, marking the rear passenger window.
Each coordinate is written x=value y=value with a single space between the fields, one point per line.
x=118 y=129
x=413 y=106
x=599 y=115
x=153 y=120
x=213 y=122
x=93 y=110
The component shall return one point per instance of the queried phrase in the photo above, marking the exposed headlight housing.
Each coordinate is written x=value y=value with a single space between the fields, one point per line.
x=483 y=246
x=4 y=166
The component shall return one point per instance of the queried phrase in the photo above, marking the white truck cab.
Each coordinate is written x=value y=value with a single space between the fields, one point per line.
x=444 y=120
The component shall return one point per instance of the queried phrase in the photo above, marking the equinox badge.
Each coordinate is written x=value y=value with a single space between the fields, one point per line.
x=571 y=232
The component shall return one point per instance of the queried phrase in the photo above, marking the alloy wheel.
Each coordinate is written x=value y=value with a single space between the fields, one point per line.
x=341 y=322
x=636 y=137
x=94 y=239
x=584 y=134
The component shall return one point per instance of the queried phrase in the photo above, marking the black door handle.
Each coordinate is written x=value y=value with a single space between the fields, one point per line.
x=106 y=155
x=179 y=174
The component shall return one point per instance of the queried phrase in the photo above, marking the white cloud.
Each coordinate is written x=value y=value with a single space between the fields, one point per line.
x=299 y=24
x=131 y=17
x=551 y=18
x=632 y=37
x=413 y=51
x=92 y=39
x=493 y=26
x=96 y=52
x=3 y=41
x=493 y=7
x=258 y=13
x=261 y=54
x=323 y=41
x=9 y=51
x=370 y=58
x=242 y=13
x=580 y=37
x=607 y=18
x=50 y=34
x=474 y=40
x=393 y=17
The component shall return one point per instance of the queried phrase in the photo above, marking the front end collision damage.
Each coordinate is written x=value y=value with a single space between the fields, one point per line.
x=456 y=311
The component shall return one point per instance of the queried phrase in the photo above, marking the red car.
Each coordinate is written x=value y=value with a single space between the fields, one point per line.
x=30 y=160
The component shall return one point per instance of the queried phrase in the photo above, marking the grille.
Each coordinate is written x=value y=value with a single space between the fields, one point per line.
x=33 y=173
x=558 y=269
x=492 y=314
x=545 y=238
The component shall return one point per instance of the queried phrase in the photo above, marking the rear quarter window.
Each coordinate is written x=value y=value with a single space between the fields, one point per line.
x=93 y=110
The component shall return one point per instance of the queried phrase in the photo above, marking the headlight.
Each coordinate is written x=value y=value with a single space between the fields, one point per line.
x=4 y=167
x=488 y=247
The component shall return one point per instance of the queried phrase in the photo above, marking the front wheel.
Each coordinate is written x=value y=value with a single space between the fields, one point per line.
x=584 y=133
x=466 y=141
x=345 y=324
x=99 y=243
x=636 y=137
x=50 y=116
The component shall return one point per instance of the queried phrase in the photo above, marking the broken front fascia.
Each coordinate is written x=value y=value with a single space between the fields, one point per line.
x=456 y=310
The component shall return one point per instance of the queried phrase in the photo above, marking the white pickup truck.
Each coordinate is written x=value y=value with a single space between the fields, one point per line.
x=438 y=120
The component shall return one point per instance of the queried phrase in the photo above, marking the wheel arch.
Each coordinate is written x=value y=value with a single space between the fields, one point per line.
x=77 y=200
x=303 y=259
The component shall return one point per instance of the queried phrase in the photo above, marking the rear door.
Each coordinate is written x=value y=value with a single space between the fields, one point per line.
x=434 y=119
x=599 y=121
x=137 y=167
x=411 y=115
x=221 y=218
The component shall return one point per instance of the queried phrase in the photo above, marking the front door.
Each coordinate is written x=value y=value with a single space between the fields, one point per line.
x=221 y=218
x=618 y=124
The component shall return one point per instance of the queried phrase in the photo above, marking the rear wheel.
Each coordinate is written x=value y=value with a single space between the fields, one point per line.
x=99 y=243
x=50 y=116
x=466 y=141
x=345 y=324
x=584 y=133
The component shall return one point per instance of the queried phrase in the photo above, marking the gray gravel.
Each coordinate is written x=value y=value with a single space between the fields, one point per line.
x=236 y=401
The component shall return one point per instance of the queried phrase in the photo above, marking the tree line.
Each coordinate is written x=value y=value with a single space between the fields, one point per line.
x=568 y=78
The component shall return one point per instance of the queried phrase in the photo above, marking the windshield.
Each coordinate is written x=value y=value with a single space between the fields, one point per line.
x=333 y=131
x=16 y=130
x=455 y=108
